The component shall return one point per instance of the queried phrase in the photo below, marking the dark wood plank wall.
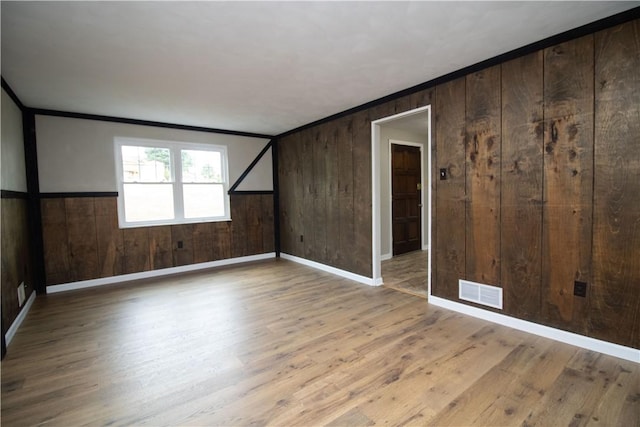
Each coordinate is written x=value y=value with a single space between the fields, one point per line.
x=110 y=238
x=82 y=240
x=16 y=267
x=309 y=194
x=345 y=238
x=568 y=179
x=615 y=293
x=483 y=159
x=450 y=193
x=56 y=243
x=325 y=185
x=541 y=191
x=521 y=189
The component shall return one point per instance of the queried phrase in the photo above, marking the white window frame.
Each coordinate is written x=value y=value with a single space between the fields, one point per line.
x=175 y=148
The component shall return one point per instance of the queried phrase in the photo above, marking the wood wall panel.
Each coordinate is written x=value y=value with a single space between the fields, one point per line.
x=308 y=194
x=239 y=233
x=345 y=237
x=14 y=250
x=253 y=225
x=332 y=197
x=180 y=235
x=422 y=99
x=57 y=265
x=102 y=249
x=291 y=180
x=615 y=292
x=82 y=239
x=402 y=104
x=268 y=236
x=381 y=111
x=160 y=248
x=483 y=163
x=568 y=179
x=136 y=250
x=319 y=196
x=221 y=234
x=329 y=195
x=202 y=242
x=450 y=195
x=362 y=193
x=521 y=190
x=109 y=236
x=288 y=164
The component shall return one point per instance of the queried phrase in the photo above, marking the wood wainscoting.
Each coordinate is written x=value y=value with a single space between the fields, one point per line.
x=16 y=255
x=279 y=343
x=82 y=240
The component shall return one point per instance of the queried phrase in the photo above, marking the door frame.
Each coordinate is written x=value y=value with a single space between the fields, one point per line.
x=375 y=192
x=423 y=246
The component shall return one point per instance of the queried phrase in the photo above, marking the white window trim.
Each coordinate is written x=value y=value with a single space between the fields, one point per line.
x=176 y=176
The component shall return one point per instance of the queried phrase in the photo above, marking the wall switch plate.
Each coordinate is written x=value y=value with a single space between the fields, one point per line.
x=580 y=289
x=21 y=295
x=180 y=244
x=301 y=238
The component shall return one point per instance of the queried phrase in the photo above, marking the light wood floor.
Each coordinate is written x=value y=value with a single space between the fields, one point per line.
x=407 y=273
x=276 y=343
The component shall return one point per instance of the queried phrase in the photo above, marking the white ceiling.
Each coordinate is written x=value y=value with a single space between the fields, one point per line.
x=264 y=67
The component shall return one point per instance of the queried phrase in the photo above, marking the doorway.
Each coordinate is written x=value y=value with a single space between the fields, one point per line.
x=382 y=234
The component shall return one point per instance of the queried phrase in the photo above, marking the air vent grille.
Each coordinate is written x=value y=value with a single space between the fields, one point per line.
x=480 y=294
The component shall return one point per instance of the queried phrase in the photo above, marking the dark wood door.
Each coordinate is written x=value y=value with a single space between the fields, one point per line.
x=406 y=201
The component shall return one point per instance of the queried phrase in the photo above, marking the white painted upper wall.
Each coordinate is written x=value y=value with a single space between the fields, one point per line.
x=387 y=133
x=78 y=155
x=13 y=175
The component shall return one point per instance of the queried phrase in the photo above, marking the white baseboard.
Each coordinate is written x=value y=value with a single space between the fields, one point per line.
x=21 y=316
x=385 y=257
x=338 y=272
x=425 y=247
x=155 y=273
x=600 y=346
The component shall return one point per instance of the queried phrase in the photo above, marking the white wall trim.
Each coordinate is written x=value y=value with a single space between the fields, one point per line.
x=21 y=316
x=155 y=273
x=600 y=346
x=338 y=272
x=386 y=256
x=375 y=190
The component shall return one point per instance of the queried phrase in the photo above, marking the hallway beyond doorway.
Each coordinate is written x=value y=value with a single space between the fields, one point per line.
x=407 y=273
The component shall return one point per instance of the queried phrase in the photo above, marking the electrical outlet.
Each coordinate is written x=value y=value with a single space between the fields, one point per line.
x=301 y=238
x=580 y=289
x=21 y=295
x=443 y=174
x=180 y=244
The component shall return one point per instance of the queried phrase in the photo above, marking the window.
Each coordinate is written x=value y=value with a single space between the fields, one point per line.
x=164 y=182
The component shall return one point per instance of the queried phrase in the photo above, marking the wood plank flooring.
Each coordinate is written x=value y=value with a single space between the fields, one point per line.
x=277 y=343
x=407 y=273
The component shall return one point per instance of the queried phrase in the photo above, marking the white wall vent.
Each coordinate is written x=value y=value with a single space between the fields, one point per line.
x=480 y=294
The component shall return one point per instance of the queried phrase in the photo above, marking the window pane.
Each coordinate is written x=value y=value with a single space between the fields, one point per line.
x=201 y=166
x=146 y=164
x=203 y=200
x=148 y=202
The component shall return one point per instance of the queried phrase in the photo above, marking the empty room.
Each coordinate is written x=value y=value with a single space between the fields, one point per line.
x=320 y=213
